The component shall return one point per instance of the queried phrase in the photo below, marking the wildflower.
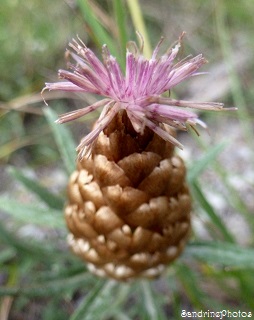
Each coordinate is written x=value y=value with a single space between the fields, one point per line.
x=139 y=92
x=128 y=210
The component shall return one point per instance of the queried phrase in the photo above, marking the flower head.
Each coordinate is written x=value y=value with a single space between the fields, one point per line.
x=138 y=92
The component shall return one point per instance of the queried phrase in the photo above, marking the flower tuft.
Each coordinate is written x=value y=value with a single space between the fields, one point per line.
x=138 y=92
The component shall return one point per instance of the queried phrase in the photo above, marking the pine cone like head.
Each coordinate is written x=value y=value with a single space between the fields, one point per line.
x=129 y=206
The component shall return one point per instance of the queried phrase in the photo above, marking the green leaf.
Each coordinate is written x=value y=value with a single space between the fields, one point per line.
x=210 y=211
x=137 y=18
x=74 y=268
x=247 y=289
x=63 y=139
x=190 y=282
x=95 y=305
x=48 y=288
x=52 y=200
x=32 y=249
x=222 y=254
x=200 y=165
x=120 y=315
x=100 y=35
x=83 y=309
x=152 y=306
x=6 y=255
x=119 y=12
x=32 y=213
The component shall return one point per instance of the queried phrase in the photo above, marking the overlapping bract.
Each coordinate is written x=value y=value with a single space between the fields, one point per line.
x=129 y=206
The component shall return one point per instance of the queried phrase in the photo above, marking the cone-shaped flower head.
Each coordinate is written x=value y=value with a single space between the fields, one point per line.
x=138 y=92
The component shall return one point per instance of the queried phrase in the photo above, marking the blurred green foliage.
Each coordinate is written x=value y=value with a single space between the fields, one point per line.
x=33 y=35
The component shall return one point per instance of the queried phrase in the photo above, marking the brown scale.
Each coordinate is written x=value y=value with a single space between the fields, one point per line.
x=129 y=206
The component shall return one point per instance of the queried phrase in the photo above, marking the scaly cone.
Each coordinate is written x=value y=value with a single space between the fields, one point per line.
x=129 y=206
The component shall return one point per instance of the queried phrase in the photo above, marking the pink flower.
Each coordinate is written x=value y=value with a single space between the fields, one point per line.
x=138 y=92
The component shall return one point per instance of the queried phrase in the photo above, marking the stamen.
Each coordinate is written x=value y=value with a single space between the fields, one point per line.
x=156 y=50
x=76 y=114
x=141 y=48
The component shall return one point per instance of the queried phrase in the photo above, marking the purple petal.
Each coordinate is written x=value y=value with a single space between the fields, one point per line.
x=100 y=125
x=64 y=86
x=212 y=106
x=73 y=115
x=79 y=81
x=186 y=70
x=163 y=134
x=170 y=112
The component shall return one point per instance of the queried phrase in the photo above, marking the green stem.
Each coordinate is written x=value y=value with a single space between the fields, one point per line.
x=237 y=92
x=139 y=24
x=119 y=13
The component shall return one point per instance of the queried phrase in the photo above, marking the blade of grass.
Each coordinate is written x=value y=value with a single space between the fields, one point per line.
x=48 y=288
x=233 y=197
x=222 y=254
x=152 y=306
x=119 y=12
x=237 y=91
x=177 y=306
x=15 y=144
x=27 y=248
x=139 y=24
x=63 y=139
x=52 y=310
x=111 y=294
x=52 y=200
x=120 y=315
x=247 y=288
x=210 y=212
x=32 y=213
x=13 y=276
x=121 y=295
x=200 y=165
x=7 y=254
x=190 y=282
x=73 y=269
x=98 y=33
x=94 y=298
x=229 y=256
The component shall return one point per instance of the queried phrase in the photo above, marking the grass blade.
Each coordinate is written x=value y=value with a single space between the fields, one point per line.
x=152 y=306
x=32 y=213
x=119 y=11
x=63 y=139
x=48 y=288
x=222 y=254
x=224 y=38
x=211 y=213
x=52 y=200
x=98 y=33
x=200 y=165
x=32 y=249
x=190 y=282
x=92 y=299
x=139 y=24
x=7 y=254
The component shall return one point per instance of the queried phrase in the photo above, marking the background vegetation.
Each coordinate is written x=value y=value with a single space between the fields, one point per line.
x=39 y=277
